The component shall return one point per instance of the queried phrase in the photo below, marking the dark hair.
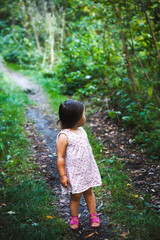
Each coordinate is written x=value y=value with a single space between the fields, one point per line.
x=70 y=113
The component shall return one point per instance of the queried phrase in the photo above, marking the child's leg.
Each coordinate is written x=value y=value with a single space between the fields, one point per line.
x=91 y=204
x=74 y=205
x=90 y=200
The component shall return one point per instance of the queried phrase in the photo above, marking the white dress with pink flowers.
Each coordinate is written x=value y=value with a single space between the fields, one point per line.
x=80 y=165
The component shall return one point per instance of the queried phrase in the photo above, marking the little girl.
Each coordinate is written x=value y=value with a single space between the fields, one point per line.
x=75 y=161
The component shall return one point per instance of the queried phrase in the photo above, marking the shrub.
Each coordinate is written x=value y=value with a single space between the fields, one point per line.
x=17 y=47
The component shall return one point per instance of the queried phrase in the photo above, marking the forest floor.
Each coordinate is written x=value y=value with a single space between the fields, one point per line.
x=42 y=131
x=144 y=172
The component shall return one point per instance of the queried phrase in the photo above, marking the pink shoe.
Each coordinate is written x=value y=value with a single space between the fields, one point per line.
x=94 y=219
x=74 y=221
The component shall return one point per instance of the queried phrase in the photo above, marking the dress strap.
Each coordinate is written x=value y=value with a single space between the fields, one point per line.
x=83 y=131
x=64 y=131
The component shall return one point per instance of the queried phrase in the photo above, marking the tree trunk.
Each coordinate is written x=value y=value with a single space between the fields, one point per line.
x=152 y=32
x=44 y=56
x=43 y=4
x=146 y=75
x=51 y=33
x=127 y=57
x=63 y=26
x=36 y=37
x=32 y=25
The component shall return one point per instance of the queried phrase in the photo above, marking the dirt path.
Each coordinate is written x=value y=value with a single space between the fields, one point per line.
x=42 y=131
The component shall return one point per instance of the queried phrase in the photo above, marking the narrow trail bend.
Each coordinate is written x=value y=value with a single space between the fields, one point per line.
x=41 y=129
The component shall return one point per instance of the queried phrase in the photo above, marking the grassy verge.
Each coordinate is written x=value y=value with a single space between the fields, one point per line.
x=27 y=208
x=126 y=209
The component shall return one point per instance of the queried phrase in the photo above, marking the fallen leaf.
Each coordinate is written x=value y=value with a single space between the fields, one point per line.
x=49 y=217
x=11 y=212
x=122 y=148
x=90 y=235
x=3 y=204
x=62 y=200
x=35 y=224
x=44 y=166
x=112 y=132
x=125 y=234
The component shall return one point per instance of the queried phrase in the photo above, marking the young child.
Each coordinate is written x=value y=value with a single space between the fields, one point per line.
x=75 y=161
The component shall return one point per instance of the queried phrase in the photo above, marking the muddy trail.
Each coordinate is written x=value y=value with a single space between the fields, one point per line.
x=42 y=131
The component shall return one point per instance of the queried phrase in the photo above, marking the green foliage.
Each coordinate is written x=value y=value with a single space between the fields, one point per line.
x=93 y=65
x=17 y=47
x=89 y=56
x=114 y=114
x=143 y=116
x=80 y=72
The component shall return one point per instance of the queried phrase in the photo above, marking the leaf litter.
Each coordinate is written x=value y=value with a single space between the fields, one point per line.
x=144 y=172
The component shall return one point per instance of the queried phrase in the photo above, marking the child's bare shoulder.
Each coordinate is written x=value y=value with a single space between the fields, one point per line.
x=62 y=138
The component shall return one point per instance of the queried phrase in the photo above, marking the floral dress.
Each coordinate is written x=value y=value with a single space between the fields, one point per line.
x=80 y=165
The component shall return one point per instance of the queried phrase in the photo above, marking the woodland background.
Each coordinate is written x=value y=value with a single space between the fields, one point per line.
x=106 y=54
x=104 y=50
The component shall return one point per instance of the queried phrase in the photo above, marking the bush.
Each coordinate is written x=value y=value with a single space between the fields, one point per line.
x=79 y=75
x=17 y=47
x=142 y=116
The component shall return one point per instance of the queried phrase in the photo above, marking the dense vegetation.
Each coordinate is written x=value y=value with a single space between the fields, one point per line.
x=107 y=51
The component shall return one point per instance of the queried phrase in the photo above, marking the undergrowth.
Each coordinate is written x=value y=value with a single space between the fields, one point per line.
x=27 y=208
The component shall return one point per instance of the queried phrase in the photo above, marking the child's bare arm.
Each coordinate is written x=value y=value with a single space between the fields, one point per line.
x=62 y=143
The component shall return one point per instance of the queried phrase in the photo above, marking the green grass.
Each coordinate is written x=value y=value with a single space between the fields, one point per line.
x=28 y=203
x=25 y=201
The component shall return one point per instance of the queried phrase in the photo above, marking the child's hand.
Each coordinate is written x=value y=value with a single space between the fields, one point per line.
x=64 y=181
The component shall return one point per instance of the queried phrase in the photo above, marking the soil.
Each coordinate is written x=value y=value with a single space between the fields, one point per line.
x=42 y=131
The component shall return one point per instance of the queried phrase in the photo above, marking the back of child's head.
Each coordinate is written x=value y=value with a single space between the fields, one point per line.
x=70 y=113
